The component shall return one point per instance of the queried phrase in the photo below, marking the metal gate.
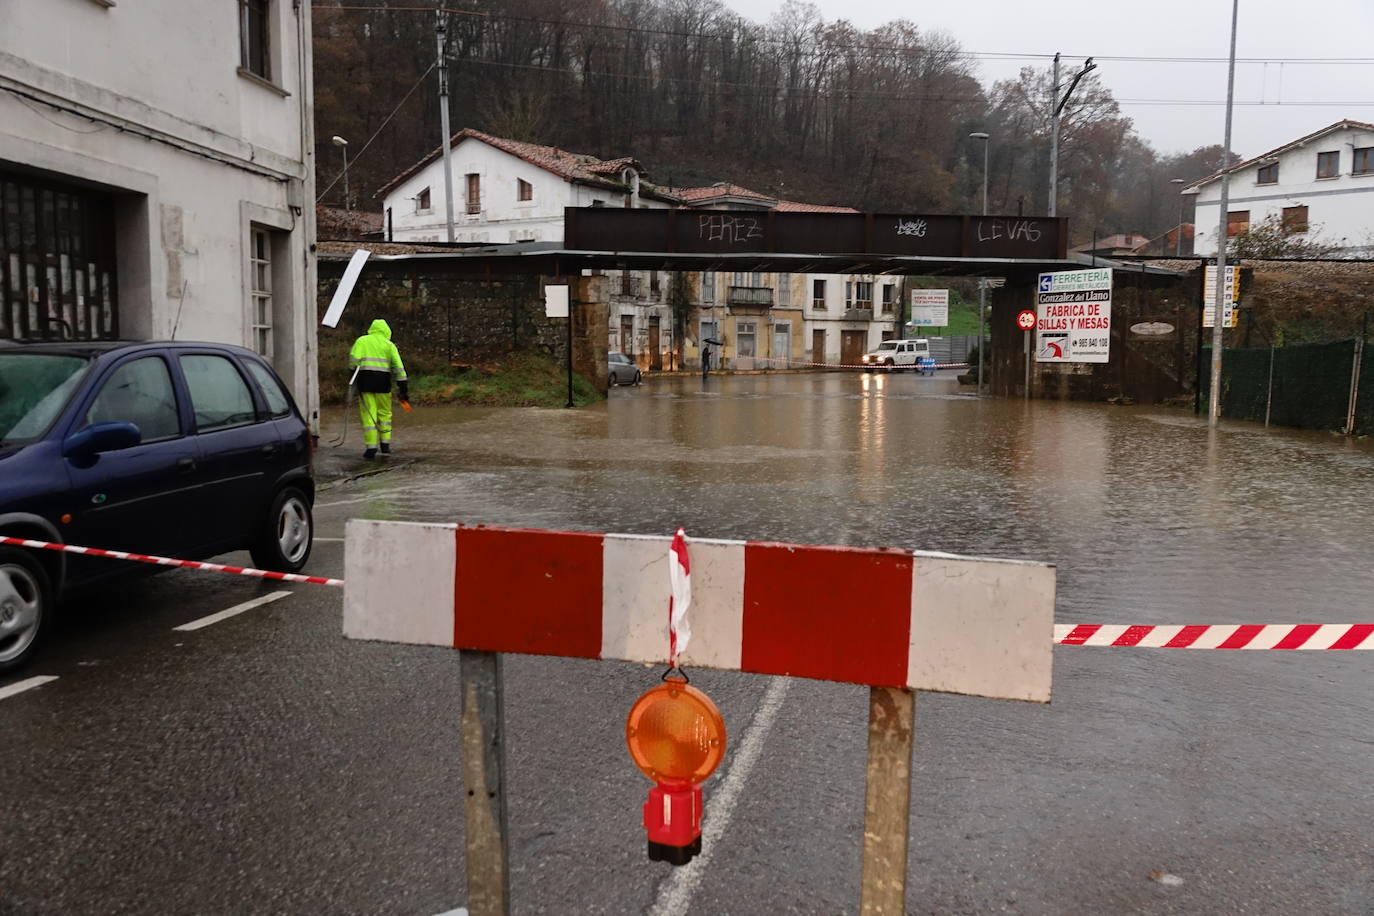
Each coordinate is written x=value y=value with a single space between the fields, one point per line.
x=57 y=261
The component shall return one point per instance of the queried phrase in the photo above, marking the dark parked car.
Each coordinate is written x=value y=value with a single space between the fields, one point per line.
x=622 y=370
x=177 y=449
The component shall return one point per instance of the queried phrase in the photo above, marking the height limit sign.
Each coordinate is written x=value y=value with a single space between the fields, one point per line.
x=1074 y=316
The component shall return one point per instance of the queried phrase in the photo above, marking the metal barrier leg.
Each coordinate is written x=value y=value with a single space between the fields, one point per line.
x=484 y=776
x=887 y=806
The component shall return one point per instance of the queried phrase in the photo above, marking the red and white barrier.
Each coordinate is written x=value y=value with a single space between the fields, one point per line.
x=927 y=621
x=168 y=561
x=1220 y=636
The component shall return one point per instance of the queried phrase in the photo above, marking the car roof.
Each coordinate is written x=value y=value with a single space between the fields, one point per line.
x=95 y=348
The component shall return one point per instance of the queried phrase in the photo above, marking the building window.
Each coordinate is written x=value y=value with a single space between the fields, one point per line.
x=863 y=294
x=260 y=279
x=709 y=327
x=818 y=294
x=653 y=281
x=1268 y=174
x=745 y=332
x=626 y=287
x=474 y=193
x=422 y=202
x=888 y=298
x=1328 y=164
x=784 y=289
x=525 y=189
x=253 y=37
x=1295 y=219
x=1237 y=221
x=708 y=287
x=1363 y=163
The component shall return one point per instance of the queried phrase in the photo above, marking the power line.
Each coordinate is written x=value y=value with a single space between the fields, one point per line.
x=358 y=155
x=770 y=39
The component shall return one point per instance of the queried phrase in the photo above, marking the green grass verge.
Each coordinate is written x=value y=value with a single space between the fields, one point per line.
x=519 y=380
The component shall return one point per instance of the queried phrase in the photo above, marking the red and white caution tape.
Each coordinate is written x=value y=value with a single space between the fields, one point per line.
x=167 y=561
x=680 y=580
x=1220 y=636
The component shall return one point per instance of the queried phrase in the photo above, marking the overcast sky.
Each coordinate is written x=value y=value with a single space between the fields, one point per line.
x=1270 y=29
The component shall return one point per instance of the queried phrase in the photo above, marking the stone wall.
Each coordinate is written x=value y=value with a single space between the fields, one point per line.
x=441 y=319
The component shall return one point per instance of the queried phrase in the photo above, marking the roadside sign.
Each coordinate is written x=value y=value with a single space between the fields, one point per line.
x=1074 y=316
x=556 y=301
x=1025 y=320
x=345 y=288
x=1229 y=315
x=929 y=308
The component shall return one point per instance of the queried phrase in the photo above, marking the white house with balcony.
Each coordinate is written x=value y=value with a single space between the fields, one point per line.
x=156 y=175
x=1321 y=185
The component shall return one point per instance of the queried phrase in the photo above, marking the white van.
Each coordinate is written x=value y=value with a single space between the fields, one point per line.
x=901 y=354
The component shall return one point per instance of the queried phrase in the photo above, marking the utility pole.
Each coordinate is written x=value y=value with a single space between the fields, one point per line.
x=1054 y=136
x=1223 y=290
x=441 y=33
x=1178 y=242
x=1056 y=109
x=982 y=283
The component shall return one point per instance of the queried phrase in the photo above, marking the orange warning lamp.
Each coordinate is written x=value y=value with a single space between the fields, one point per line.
x=676 y=737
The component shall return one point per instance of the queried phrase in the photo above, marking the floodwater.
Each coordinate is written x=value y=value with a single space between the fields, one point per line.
x=1150 y=517
x=1157 y=781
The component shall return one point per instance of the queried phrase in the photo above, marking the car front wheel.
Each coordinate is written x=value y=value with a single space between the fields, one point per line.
x=26 y=602
x=287 y=533
x=611 y=380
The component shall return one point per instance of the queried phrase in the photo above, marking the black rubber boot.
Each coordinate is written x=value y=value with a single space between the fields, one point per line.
x=386 y=448
x=370 y=454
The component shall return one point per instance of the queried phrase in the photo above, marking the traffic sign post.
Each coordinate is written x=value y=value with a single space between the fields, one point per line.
x=932 y=621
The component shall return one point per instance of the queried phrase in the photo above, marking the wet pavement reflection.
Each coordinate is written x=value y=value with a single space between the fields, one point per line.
x=1150 y=517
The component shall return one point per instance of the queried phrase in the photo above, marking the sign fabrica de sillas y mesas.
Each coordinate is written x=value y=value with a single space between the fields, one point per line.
x=1074 y=316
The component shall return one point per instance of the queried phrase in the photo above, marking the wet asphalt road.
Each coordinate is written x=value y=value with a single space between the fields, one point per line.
x=265 y=765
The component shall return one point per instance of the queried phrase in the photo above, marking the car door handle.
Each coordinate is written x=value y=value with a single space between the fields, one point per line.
x=269 y=451
x=186 y=465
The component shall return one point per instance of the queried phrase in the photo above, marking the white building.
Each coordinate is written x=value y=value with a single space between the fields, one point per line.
x=1321 y=185
x=510 y=191
x=507 y=191
x=155 y=175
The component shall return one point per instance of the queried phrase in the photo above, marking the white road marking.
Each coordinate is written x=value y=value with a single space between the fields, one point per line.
x=461 y=911
x=19 y=687
x=675 y=893
x=231 y=612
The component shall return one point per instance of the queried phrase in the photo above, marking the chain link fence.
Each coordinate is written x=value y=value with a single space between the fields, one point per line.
x=1312 y=386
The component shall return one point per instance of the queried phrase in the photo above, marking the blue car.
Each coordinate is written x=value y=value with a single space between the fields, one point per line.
x=183 y=450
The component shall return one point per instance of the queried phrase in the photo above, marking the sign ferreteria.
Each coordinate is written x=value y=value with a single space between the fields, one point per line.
x=769 y=231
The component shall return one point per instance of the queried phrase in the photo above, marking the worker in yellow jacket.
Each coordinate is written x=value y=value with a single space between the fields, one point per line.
x=375 y=362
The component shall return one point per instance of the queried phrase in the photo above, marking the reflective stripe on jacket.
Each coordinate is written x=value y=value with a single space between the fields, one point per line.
x=377 y=358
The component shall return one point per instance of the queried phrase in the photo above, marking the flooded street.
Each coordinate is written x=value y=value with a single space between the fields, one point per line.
x=1149 y=517
x=1244 y=773
x=208 y=745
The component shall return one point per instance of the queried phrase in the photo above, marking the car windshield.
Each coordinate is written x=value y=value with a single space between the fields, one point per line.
x=889 y=345
x=34 y=387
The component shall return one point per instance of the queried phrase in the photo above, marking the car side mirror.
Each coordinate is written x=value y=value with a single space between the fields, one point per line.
x=101 y=437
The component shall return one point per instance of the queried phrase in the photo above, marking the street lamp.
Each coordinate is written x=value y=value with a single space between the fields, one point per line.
x=342 y=144
x=1178 y=242
x=982 y=286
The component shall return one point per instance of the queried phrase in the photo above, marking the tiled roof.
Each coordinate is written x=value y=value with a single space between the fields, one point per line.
x=791 y=206
x=337 y=223
x=721 y=189
x=704 y=196
x=576 y=167
x=1339 y=125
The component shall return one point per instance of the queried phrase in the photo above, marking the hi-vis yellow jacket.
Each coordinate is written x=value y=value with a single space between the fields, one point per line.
x=377 y=359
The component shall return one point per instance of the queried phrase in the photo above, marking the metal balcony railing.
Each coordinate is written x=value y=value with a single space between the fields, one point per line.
x=757 y=296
